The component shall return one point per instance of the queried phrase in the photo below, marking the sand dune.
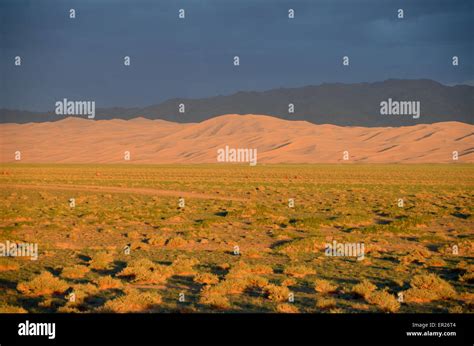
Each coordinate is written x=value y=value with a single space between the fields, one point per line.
x=75 y=140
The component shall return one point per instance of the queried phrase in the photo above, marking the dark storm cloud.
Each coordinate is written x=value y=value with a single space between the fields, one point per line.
x=83 y=58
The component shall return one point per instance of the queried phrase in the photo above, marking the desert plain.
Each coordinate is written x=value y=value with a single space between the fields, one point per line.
x=171 y=230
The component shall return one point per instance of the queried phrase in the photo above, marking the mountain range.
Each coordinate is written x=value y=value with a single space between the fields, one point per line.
x=329 y=103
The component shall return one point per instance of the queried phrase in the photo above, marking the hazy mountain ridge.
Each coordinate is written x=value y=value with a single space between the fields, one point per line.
x=329 y=103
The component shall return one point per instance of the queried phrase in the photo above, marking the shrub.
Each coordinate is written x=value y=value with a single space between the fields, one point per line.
x=231 y=286
x=206 y=278
x=468 y=270
x=299 y=271
x=384 y=300
x=8 y=264
x=428 y=287
x=212 y=297
x=133 y=301
x=467 y=277
x=287 y=308
x=324 y=286
x=256 y=281
x=145 y=271
x=364 y=288
x=176 y=242
x=455 y=309
x=277 y=293
x=325 y=303
x=288 y=282
x=43 y=284
x=242 y=270
x=238 y=285
x=74 y=272
x=416 y=256
x=133 y=235
x=156 y=240
x=253 y=254
x=298 y=247
x=81 y=292
x=68 y=309
x=108 y=282
x=101 y=261
x=224 y=266
x=184 y=266
x=435 y=262
x=10 y=309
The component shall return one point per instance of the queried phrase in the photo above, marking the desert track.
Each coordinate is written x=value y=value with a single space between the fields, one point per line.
x=114 y=189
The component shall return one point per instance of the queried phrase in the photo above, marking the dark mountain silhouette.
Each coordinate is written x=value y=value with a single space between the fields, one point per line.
x=329 y=103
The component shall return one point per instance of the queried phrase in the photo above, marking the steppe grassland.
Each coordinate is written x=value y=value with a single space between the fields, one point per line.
x=191 y=250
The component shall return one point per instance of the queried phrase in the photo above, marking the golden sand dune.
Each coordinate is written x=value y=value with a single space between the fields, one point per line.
x=75 y=140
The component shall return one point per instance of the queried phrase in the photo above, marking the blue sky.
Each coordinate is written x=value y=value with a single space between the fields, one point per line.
x=82 y=58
